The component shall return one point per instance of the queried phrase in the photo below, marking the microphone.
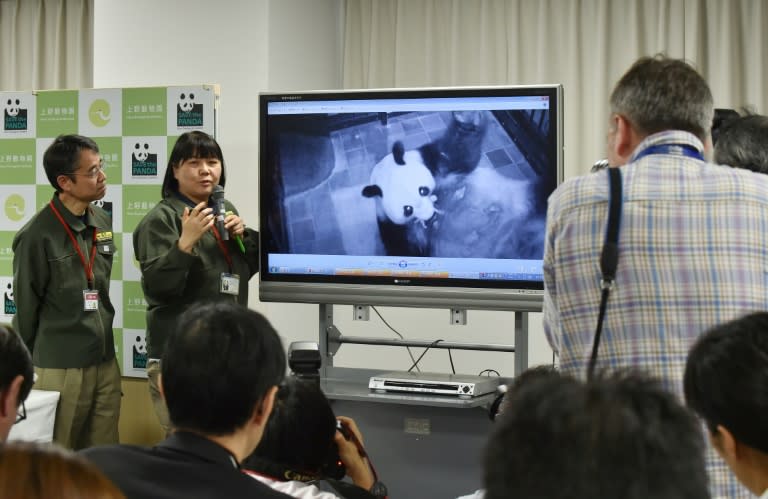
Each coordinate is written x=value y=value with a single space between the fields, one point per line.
x=219 y=210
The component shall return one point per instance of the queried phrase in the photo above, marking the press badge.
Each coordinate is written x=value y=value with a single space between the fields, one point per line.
x=90 y=300
x=230 y=284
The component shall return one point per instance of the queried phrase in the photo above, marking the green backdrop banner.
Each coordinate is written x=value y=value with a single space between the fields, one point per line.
x=135 y=129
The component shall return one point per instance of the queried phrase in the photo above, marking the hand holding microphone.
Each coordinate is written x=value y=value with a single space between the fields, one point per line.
x=224 y=222
x=219 y=210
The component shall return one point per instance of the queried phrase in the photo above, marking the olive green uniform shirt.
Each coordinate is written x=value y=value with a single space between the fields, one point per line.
x=172 y=279
x=48 y=284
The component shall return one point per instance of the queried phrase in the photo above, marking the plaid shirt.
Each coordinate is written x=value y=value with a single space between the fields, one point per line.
x=693 y=252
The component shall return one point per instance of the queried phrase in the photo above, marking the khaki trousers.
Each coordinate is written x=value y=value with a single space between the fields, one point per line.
x=153 y=374
x=89 y=405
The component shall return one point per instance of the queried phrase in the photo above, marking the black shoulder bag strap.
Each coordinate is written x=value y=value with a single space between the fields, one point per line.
x=609 y=258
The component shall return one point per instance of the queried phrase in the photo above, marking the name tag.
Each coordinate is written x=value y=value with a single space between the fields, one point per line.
x=90 y=300
x=230 y=284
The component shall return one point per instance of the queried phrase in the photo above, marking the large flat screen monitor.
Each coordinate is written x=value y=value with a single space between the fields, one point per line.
x=408 y=197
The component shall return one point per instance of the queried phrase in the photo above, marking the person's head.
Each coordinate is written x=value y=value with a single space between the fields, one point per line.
x=528 y=376
x=16 y=377
x=657 y=94
x=35 y=471
x=195 y=166
x=618 y=435
x=725 y=382
x=73 y=166
x=300 y=431
x=743 y=143
x=221 y=368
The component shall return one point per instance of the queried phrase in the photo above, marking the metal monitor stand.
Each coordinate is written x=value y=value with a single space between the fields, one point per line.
x=331 y=340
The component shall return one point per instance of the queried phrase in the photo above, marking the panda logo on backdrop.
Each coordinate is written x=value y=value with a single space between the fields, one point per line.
x=14 y=116
x=104 y=205
x=9 y=305
x=139 y=353
x=188 y=112
x=143 y=161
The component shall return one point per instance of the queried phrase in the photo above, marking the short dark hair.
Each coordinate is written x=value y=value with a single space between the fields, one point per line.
x=300 y=431
x=63 y=155
x=726 y=376
x=743 y=143
x=659 y=93
x=194 y=144
x=15 y=360
x=617 y=435
x=220 y=362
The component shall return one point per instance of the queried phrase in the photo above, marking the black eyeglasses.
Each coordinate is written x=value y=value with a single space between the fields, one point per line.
x=21 y=415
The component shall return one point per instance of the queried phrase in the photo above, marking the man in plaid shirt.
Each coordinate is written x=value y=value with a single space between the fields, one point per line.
x=693 y=241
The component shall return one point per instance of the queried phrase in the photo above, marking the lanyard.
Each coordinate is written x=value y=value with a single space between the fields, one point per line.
x=87 y=267
x=673 y=149
x=222 y=247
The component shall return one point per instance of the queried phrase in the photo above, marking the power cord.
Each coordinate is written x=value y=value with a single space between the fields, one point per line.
x=416 y=362
x=410 y=353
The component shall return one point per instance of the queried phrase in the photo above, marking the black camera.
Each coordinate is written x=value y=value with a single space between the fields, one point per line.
x=335 y=468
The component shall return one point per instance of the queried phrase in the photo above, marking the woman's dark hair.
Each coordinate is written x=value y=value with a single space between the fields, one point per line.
x=299 y=433
x=195 y=144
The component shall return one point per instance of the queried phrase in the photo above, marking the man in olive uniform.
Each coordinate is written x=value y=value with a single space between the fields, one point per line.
x=61 y=269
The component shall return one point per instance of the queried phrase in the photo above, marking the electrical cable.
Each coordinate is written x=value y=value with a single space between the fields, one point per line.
x=410 y=353
x=416 y=362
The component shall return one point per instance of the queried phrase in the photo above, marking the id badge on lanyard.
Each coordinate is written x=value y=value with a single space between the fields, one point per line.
x=230 y=284
x=90 y=300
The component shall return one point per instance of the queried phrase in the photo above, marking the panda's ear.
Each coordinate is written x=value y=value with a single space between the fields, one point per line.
x=398 y=151
x=371 y=191
x=430 y=155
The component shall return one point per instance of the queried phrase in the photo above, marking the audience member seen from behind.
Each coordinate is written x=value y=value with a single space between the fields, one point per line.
x=32 y=471
x=16 y=379
x=183 y=257
x=726 y=383
x=691 y=247
x=220 y=373
x=743 y=143
x=62 y=265
x=301 y=443
x=499 y=408
x=618 y=436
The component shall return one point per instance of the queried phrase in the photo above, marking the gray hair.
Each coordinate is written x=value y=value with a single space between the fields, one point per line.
x=659 y=93
x=743 y=143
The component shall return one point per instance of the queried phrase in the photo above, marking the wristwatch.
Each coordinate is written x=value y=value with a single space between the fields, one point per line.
x=378 y=489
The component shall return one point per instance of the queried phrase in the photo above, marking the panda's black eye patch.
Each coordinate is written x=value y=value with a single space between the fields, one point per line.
x=423 y=191
x=191 y=96
x=182 y=97
x=407 y=210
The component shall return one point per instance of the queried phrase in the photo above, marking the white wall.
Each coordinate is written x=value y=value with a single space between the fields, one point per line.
x=248 y=46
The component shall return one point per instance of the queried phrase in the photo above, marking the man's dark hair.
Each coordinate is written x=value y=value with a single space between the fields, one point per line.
x=189 y=145
x=618 y=435
x=63 y=155
x=743 y=143
x=219 y=363
x=658 y=94
x=14 y=361
x=300 y=431
x=726 y=376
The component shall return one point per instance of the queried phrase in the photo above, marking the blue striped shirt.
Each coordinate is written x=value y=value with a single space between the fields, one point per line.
x=693 y=251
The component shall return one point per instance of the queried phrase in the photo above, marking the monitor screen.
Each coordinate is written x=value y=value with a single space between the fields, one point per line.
x=408 y=197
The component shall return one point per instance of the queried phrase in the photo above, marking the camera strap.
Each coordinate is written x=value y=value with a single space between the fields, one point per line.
x=609 y=257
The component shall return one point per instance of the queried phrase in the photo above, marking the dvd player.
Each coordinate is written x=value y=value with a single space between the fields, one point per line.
x=456 y=385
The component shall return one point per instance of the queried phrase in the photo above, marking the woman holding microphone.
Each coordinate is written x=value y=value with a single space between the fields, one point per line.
x=185 y=254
